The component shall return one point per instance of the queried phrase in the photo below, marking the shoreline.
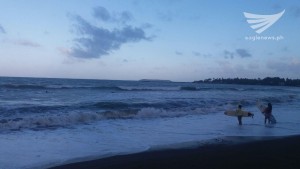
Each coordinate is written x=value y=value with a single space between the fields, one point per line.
x=231 y=152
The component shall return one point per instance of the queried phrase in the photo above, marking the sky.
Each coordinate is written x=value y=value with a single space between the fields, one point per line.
x=178 y=40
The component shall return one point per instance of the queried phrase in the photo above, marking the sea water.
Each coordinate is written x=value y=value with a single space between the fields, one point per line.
x=47 y=122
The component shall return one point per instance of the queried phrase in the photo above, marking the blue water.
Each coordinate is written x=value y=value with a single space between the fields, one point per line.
x=58 y=120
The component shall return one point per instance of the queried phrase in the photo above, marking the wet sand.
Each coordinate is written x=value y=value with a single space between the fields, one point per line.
x=283 y=153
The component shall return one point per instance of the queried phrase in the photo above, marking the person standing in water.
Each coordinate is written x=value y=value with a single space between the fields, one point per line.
x=239 y=113
x=268 y=113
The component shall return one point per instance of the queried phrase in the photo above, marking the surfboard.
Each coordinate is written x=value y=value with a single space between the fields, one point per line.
x=262 y=107
x=234 y=113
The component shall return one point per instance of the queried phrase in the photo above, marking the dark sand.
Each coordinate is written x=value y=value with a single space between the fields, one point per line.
x=283 y=153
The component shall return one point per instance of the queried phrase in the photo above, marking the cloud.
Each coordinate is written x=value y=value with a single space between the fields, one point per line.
x=197 y=53
x=64 y=51
x=146 y=25
x=296 y=11
x=95 y=42
x=165 y=16
x=2 y=30
x=285 y=49
x=26 y=43
x=178 y=53
x=225 y=68
x=290 y=66
x=224 y=64
x=253 y=65
x=201 y=54
x=103 y=14
x=228 y=54
x=243 y=53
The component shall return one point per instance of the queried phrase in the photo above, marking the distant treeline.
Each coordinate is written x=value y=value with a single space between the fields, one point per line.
x=273 y=81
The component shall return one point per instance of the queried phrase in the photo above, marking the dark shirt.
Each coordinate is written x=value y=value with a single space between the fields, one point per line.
x=268 y=111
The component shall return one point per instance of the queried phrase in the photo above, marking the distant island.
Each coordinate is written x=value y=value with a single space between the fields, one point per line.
x=271 y=81
x=154 y=80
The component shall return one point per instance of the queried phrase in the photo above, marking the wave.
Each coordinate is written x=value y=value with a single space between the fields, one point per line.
x=69 y=87
x=103 y=106
x=33 y=109
x=194 y=88
x=113 y=88
x=38 y=117
x=49 y=87
x=22 y=86
x=58 y=120
x=125 y=105
x=281 y=99
x=191 y=88
x=130 y=105
x=134 y=88
x=53 y=116
x=47 y=120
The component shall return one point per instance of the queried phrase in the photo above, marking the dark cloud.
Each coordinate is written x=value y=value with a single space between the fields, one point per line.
x=228 y=54
x=178 y=53
x=125 y=16
x=103 y=14
x=243 y=53
x=146 y=25
x=98 y=41
x=2 y=30
x=197 y=53
x=296 y=11
x=276 y=7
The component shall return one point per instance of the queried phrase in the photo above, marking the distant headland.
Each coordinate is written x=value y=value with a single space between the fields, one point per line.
x=154 y=80
x=270 y=81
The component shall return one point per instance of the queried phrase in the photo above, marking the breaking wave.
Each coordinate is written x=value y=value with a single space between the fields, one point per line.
x=40 y=116
x=48 y=120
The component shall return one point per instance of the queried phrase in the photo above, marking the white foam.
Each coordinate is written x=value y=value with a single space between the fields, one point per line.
x=156 y=113
x=48 y=120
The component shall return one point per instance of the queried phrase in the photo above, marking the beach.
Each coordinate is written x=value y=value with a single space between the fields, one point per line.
x=271 y=153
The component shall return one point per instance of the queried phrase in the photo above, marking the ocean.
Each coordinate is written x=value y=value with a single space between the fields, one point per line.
x=46 y=122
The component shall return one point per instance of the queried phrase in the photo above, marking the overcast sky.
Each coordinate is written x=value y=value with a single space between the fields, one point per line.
x=179 y=40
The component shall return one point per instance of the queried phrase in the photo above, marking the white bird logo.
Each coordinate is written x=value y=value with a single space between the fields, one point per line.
x=262 y=22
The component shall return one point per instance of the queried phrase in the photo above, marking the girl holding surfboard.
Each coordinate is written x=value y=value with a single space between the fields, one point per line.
x=268 y=113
